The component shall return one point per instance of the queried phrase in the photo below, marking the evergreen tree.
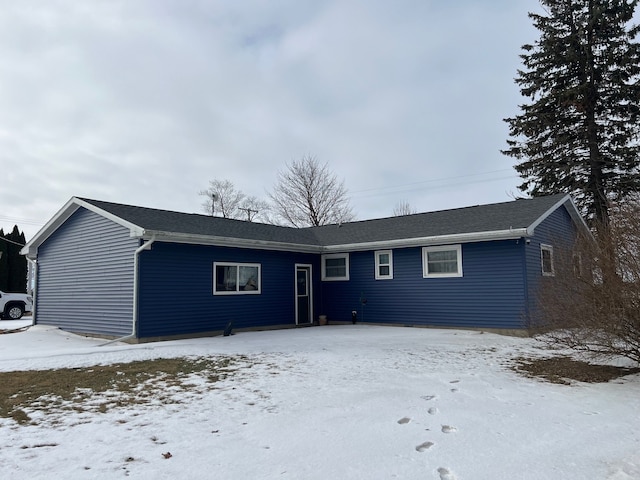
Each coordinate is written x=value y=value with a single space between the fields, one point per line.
x=13 y=273
x=20 y=268
x=4 y=262
x=580 y=131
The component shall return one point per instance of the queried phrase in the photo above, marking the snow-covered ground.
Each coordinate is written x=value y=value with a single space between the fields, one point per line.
x=332 y=402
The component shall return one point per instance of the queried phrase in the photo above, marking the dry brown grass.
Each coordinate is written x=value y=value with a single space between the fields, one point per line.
x=565 y=369
x=591 y=304
x=103 y=387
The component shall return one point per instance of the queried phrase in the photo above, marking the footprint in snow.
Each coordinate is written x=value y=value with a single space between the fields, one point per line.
x=424 y=446
x=404 y=420
x=446 y=474
x=428 y=397
x=432 y=411
x=448 y=429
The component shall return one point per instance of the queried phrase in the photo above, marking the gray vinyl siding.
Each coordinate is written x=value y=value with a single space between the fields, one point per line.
x=85 y=276
x=85 y=279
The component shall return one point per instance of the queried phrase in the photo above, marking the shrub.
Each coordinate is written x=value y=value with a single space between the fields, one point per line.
x=592 y=303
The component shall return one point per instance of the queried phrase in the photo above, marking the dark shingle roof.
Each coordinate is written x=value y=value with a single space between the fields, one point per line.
x=481 y=218
x=204 y=225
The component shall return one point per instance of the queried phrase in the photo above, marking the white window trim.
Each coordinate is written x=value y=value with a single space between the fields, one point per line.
x=237 y=292
x=425 y=262
x=378 y=275
x=548 y=248
x=335 y=255
x=577 y=265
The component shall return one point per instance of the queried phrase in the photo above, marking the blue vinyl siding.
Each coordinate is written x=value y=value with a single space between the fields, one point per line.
x=490 y=294
x=85 y=276
x=85 y=284
x=176 y=290
x=556 y=230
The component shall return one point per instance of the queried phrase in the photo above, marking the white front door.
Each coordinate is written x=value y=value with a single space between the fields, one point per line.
x=304 y=313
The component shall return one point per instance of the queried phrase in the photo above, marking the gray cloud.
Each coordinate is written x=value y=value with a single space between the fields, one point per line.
x=144 y=102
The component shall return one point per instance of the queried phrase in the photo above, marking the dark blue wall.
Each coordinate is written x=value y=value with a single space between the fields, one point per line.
x=490 y=294
x=557 y=230
x=176 y=290
x=85 y=284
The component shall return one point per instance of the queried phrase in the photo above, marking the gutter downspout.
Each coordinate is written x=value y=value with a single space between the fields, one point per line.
x=134 y=324
x=33 y=278
x=525 y=276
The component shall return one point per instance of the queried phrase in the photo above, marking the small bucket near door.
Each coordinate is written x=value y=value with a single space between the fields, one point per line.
x=322 y=320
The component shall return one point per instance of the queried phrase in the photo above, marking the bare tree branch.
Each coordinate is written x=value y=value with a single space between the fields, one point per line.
x=592 y=304
x=308 y=194
x=222 y=199
x=255 y=210
x=403 y=208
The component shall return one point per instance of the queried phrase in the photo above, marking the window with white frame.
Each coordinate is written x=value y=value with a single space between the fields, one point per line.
x=443 y=261
x=236 y=278
x=578 y=269
x=384 y=264
x=335 y=266
x=546 y=259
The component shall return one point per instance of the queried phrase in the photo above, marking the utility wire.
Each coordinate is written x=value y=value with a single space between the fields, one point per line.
x=11 y=241
x=21 y=221
x=376 y=193
x=435 y=180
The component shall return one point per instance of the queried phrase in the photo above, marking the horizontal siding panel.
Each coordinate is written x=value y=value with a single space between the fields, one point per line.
x=85 y=276
x=85 y=284
x=176 y=290
x=491 y=293
x=557 y=230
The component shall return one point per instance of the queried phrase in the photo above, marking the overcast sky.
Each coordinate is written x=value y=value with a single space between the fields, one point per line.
x=144 y=101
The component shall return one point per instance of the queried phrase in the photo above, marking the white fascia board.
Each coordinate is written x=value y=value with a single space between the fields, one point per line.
x=31 y=248
x=61 y=216
x=173 y=237
x=134 y=230
x=301 y=248
x=572 y=209
x=511 y=234
x=577 y=216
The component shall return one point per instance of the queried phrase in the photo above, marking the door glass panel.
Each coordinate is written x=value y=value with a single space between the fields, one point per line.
x=302 y=283
x=303 y=296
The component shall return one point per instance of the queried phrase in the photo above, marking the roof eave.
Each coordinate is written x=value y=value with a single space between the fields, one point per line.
x=173 y=237
x=510 y=234
x=136 y=231
x=572 y=209
x=31 y=248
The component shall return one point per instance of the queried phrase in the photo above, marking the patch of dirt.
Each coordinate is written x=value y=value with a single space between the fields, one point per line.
x=565 y=369
x=103 y=387
x=14 y=330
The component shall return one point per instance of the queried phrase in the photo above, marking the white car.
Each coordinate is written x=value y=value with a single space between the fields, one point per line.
x=14 y=305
